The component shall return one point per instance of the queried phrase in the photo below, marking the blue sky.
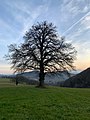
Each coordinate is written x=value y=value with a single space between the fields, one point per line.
x=72 y=18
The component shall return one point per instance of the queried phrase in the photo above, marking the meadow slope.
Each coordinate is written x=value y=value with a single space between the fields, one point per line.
x=53 y=103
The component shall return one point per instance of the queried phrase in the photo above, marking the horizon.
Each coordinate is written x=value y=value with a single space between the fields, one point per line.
x=71 y=17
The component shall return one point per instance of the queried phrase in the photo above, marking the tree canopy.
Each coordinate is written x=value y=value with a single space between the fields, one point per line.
x=42 y=49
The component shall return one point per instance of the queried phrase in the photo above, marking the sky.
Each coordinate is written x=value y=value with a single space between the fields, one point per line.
x=71 y=17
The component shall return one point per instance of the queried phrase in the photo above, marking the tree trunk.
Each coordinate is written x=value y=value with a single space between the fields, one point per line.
x=41 y=78
x=41 y=74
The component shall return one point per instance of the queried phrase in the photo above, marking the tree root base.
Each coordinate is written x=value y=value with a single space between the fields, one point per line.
x=39 y=86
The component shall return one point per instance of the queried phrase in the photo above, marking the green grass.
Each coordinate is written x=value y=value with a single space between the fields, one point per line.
x=6 y=82
x=53 y=103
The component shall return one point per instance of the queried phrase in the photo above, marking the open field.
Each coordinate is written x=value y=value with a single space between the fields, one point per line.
x=5 y=82
x=53 y=103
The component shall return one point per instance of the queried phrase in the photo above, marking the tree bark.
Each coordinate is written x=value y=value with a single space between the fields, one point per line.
x=41 y=79
x=41 y=76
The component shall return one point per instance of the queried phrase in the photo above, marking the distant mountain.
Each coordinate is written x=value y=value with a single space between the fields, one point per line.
x=7 y=75
x=51 y=78
x=81 y=80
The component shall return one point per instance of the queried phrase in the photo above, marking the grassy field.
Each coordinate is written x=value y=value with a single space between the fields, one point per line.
x=53 y=103
x=6 y=82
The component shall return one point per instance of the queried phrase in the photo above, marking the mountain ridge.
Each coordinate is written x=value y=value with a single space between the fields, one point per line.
x=51 y=78
x=80 y=80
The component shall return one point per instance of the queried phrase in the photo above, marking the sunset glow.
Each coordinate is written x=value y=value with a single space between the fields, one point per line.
x=71 y=17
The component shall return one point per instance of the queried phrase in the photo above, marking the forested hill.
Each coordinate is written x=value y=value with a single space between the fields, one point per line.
x=80 y=80
x=51 y=78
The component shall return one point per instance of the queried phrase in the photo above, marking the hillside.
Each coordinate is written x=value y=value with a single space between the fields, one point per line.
x=80 y=80
x=51 y=78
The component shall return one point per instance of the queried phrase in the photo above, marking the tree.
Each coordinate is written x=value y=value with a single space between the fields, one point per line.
x=43 y=50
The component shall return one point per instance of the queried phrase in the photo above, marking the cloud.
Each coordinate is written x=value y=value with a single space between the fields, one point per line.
x=6 y=33
x=68 y=10
x=5 y=27
x=23 y=15
x=84 y=27
x=82 y=20
x=85 y=9
x=71 y=11
x=72 y=17
x=26 y=14
x=75 y=7
x=86 y=22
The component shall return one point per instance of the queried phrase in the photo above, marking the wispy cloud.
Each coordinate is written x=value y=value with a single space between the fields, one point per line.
x=26 y=14
x=76 y=23
x=86 y=22
x=72 y=18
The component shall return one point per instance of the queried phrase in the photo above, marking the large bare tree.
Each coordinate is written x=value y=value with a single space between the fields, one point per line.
x=42 y=49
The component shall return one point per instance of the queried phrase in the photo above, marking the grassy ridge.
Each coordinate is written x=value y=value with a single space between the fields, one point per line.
x=53 y=103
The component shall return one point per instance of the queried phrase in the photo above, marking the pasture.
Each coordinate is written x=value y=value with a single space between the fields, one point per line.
x=24 y=102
